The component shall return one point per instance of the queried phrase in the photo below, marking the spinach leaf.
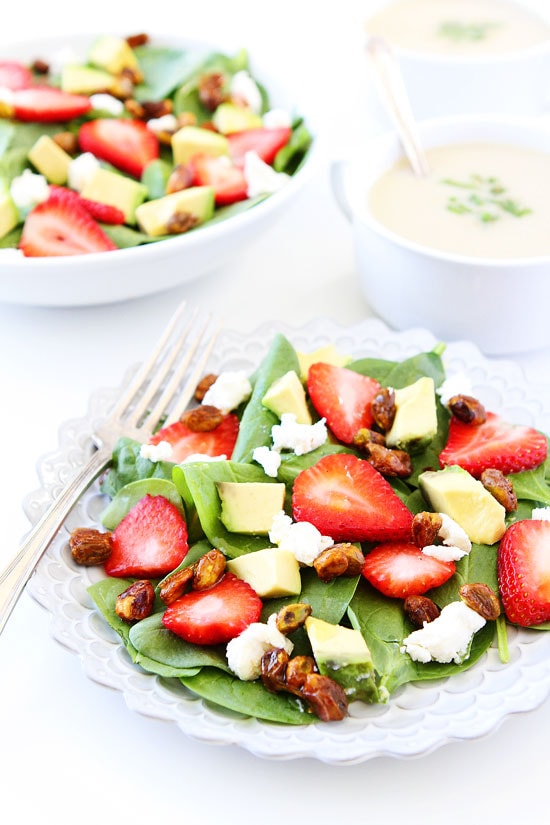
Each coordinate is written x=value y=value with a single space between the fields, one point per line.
x=153 y=641
x=164 y=69
x=533 y=484
x=288 y=158
x=128 y=465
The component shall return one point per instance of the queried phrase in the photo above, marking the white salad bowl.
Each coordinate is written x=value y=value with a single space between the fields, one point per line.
x=108 y=277
x=502 y=304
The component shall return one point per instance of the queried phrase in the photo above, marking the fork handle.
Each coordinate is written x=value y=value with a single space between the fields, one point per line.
x=16 y=575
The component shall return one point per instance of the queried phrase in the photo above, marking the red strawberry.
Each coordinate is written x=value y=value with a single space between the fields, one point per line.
x=44 y=104
x=104 y=212
x=524 y=572
x=185 y=442
x=150 y=541
x=14 y=75
x=56 y=228
x=265 y=142
x=227 y=180
x=216 y=615
x=494 y=444
x=127 y=144
x=343 y=397
x=347 y=499
x=400 y=569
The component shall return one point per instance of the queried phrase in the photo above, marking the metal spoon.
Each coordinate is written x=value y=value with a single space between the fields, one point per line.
x=394 y=95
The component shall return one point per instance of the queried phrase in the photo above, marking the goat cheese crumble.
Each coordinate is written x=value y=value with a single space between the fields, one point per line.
x=244 y=87
x=300 y=438
x=156 y=452
x=457 y=384
x=542 y=513
x=269 y=460
x=107 y=103
x=301 y=538
x=29 y=189
x=456 y=542
x=261 y=178
x=228 y=391
x=81 y=170
x=447 y=638
x=245 y=651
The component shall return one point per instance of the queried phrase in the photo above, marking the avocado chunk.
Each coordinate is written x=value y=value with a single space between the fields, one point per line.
x=287 y=395
x=117 y=190
x=270 y=572
x=85 y=80
x=192 y=140
x=50 y=160
x=249 y=506
x=113 y=54
x=154 y=217
x=343 y=654
x=458 y=494
x=9 y=214
x=415 y=422
x=326 y=355
x=230 y=118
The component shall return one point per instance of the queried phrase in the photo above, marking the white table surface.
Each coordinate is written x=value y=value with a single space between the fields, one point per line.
x=71 y=749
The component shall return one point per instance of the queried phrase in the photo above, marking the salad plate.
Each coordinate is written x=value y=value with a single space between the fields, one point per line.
x=419 y=717
x=126 y=272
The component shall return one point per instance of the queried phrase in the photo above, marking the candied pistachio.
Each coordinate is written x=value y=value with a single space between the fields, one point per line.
x=135 y=40
x=273 y=669
x=89 y=546
x=67 y=141
x=344 y=559
x=208 y=570
x=296 y=671
x=292 y=616
x=364 y=437
x=389 y=462
x=420 y=609
x=204 y=385
x=202 y=419
x=181 y=222
x=383 y=408
x=136 y=602
x=481 y=598
x=174 y=586
x=467 y=409
x=180 y=178
x=153 y=109
x=425 y=528
x=500 y=488
x=212 y=90
x=325 y=697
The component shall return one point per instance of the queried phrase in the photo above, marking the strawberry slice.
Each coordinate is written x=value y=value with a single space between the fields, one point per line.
x=494 y=444
x=104 y=212
x=347 y=499
x=343 y=397
x=150 y=541
x=400 y=569
x=58 y=228
x=127 y=144
x=265 y=142
x=524 y=572
x=227 y=180
x=44 y=104
x=216 y=615
x=185 y=442
x=14 y=75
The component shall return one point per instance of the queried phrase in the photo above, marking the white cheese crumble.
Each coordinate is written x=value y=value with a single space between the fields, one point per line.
x=107 y=103
x=261 y=178
x=156 y=452
x=228 y=391
x=6 y=95
x=301 y=438
x=276 y=119
x=301 y=538
x=457 y=384
x=270 y=460
x=81 y=170
x=447 y=638
x=245 y=651
x=541 y=513
x=456 y=542
x=244 y=87
x=29 y=189
x=166 y=123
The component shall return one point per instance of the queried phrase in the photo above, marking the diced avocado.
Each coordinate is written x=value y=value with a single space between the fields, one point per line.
x=287 y=395
x=343 y=654
x=458 y=494
x=50 y=160
x=249 y=507
x=230 y=118
x=9 y=215
x=154 y=217
x=415 y=423
x=327 y=355
x=113 y=54
x=192 y=140
x=117 y=190
x=270 y=572
x=85 y=80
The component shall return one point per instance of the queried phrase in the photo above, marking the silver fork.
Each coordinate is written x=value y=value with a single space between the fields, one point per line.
x=158 y=394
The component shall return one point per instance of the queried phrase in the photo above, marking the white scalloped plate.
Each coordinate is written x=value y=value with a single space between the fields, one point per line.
x=419 y=717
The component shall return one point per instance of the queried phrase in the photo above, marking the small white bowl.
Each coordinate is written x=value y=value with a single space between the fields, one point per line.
x=108 y=277
x=502 y=305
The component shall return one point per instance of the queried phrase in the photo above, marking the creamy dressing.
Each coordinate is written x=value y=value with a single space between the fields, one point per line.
x=480 y=199
x=459 y=27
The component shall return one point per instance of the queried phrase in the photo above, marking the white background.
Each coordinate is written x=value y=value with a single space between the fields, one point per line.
x=71 y=750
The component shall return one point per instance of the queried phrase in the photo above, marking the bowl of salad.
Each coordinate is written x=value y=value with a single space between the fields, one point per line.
x=168 y=155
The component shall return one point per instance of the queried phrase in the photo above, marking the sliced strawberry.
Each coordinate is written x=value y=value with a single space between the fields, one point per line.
x=127 y=144
x=57 y=228
x=347 y=499
x=524 y=572
x=104 y=212
x=343 y=397
x=494 y=444
x=14 y=75
x=44 y=104
x=400 y=569
x=227 y=180
x=265 y=142
x=150 y=541
x=216 y=615
x=185 y=442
